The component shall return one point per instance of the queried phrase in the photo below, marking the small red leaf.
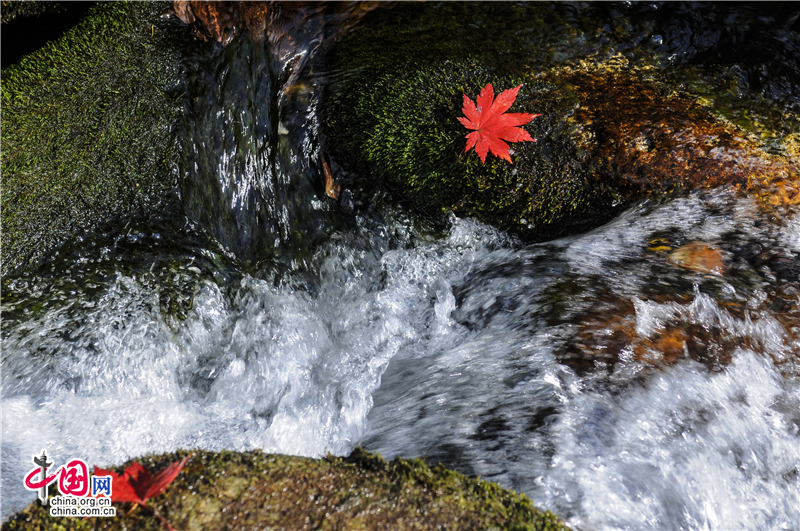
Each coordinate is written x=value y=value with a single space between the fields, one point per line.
x=121 y=489
x=139 y=478
x=137 y=484
x=490 y=126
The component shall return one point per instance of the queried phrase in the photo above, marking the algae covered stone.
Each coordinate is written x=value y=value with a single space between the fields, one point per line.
x=396 y=115
x=89 y=128
x=253 y=490
x=615 y=127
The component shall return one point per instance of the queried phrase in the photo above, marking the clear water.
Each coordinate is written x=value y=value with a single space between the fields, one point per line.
x=543 y=367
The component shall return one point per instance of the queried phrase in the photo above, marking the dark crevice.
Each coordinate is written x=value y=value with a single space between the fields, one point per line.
x=24 y=35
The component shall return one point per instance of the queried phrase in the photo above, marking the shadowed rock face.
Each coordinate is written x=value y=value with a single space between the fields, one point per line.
x=221 y=21
x=616 y=127
x=252 y=490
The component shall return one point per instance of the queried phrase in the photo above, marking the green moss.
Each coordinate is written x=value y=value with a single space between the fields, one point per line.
x=88 y=128
x=361 y=492
x=615 y=127
x=396 y=119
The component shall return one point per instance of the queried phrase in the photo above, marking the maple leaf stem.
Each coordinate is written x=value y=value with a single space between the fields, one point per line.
x=160 y=518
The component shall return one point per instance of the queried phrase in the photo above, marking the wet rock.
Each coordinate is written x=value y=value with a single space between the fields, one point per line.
x=672 y=317
x=161 y=255
x=260 y=491
x=700 y=257
x=89 y=129
x=221 y=21
x=620 y=121
x=608 y=337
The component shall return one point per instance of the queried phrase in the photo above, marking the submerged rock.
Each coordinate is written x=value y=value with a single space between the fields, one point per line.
x=253 y=490
x=619 y=123
x=89 y=128
x=700 y=257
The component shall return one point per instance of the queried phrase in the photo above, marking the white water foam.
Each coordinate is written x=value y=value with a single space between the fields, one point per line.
x=275 y=368
x=688 y=450
x=678 y=447
x=440 y=349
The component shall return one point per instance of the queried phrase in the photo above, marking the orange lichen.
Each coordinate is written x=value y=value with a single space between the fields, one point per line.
x=776 y=191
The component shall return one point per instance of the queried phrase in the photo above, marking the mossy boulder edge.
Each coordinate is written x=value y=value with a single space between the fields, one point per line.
x=89 y=128
x=253 y=490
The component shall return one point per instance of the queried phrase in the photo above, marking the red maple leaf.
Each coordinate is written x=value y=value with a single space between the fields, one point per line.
x=137 y=484
x=491 y=126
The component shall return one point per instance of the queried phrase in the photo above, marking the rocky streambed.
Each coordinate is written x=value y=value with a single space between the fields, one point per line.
x=250 y=231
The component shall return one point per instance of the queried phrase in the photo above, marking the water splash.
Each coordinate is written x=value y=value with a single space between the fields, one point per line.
x=645 y=440
x=368 y=331
x=449 y=348
x=688 y=450
x=107 y=375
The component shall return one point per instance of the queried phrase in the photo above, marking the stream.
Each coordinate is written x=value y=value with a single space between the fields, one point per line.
x=593 y=373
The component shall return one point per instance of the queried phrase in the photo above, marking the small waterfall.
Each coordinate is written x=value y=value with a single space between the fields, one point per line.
x=252 y=172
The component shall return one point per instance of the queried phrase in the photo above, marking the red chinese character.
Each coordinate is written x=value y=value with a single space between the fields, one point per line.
x=74 y=478
x=36 y=485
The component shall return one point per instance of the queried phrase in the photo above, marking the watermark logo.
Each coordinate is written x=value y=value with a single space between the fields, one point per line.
x=101 y=485
x=41 y=486
x=74 y=482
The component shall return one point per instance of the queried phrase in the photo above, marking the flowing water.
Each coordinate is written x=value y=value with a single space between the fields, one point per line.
x=593 y=373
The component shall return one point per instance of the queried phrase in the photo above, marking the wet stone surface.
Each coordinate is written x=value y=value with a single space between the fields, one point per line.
x=637 y=370
x=622 y=120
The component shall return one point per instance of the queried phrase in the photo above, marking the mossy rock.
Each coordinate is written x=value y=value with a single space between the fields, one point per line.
x=12 y=10
x=614 y=129
x=254 y=490
x=160 y=254
x=409 y=137
x=89 y=128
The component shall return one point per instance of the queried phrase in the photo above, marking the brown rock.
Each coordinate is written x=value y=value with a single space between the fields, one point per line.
x=647 y=140
x=221 y=21
x=700 y=257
